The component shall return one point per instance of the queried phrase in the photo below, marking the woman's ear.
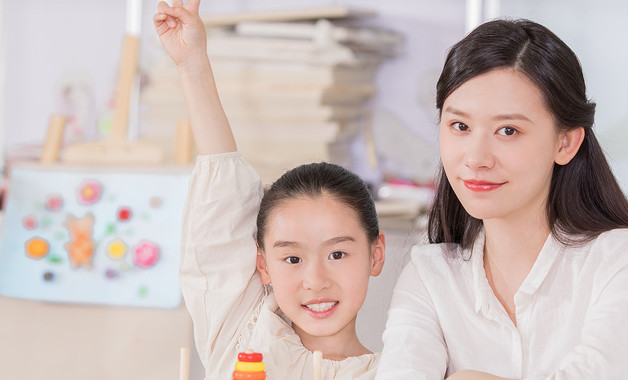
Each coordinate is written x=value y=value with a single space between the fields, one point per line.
x=378 y=255
x=570 y=142
x=262 y=268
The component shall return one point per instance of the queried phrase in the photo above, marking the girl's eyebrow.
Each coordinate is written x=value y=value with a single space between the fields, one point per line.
x=338 y=239
x=285 y=243
x=294 y=244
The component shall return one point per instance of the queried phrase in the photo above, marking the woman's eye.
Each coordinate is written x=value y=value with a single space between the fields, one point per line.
x=458 y=126
x=507 y=131
x=337 y=255
x=293 y=260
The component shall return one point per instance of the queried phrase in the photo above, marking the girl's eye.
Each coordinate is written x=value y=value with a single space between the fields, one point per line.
x=507 y=131
x=458 y=126
x=337 y=255
x=293 y=260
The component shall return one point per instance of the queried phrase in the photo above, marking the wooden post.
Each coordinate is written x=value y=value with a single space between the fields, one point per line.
x=183 y=143
x=54 y=136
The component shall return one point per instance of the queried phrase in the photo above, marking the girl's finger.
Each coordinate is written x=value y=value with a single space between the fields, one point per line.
x=163 y=7
x=177 y=3
x=193 y=5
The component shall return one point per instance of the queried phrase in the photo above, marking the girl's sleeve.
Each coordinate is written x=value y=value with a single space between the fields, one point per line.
x=603 y=349
x=218 y=253
x=414 y=347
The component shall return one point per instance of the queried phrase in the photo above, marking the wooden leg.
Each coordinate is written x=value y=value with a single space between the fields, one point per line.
x=52 y=144
x=183 y=143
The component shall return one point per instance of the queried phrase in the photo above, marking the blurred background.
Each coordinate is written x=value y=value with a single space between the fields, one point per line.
x=357 y=89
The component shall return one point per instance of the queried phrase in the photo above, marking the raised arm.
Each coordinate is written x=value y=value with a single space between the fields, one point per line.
x=182 y=34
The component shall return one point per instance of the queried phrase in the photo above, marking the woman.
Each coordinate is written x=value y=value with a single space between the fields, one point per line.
x=527 y=273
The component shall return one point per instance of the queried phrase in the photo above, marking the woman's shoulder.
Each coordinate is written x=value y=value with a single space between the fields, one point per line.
x=445 y=259
x=611 y=243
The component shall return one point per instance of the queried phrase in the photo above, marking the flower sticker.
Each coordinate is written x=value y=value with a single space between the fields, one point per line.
x=89 y=192
x=54 y=202
x=124 y=214
x=29 y=222
x=145 y=254
x=37 y=248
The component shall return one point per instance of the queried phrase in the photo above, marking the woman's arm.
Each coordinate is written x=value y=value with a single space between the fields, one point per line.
x=474 y=375
x=182 y=34
x=414 y=347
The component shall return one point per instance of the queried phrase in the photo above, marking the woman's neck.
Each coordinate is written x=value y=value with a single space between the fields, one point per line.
x=343 y=344
x=515 y=243
x=510 y=251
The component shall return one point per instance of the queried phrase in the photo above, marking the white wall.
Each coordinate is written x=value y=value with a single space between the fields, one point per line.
x=596 y=32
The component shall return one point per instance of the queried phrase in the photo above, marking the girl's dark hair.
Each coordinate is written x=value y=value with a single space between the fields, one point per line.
x=313 y=181
x=584 y=198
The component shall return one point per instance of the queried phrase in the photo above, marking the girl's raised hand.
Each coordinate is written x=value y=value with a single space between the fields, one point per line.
x=181 y=31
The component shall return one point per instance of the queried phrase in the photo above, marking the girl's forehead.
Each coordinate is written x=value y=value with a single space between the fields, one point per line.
x=323 y=217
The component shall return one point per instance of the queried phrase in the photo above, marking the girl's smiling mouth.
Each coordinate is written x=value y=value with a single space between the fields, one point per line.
x=320 y=308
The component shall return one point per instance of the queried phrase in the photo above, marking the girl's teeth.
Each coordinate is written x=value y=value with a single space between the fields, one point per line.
x=323 y=306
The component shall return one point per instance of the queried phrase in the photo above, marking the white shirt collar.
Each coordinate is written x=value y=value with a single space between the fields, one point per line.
x=485 y=301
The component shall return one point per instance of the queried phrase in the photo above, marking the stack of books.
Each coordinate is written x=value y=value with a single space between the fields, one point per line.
x=290 y=89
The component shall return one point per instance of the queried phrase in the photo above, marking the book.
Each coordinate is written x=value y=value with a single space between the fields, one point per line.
x=314 y=13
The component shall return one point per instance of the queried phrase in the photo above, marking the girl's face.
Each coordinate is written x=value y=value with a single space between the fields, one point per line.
x=319 y=261
x=499 y=143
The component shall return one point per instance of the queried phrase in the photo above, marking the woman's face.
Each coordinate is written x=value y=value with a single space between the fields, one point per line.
x=498 y=144
x=319 y=261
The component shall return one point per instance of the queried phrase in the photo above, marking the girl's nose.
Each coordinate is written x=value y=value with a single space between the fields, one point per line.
x=478 y=153
x=316 y=277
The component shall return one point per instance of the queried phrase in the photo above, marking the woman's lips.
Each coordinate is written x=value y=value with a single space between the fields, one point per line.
x=481 y=186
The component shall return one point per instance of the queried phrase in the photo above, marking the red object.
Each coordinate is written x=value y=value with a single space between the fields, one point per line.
x=30 y=222
x=249 y=375
x=124 y=214
x=250 y=357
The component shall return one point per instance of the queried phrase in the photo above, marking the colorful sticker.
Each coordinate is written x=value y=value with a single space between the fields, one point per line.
x=145 y=254
x=81 y=245
x=116 y=249
x=37 y=248
x=124 y=214
x=155 y=202
x=54 y=202
x=29 y=222
x=89 y=192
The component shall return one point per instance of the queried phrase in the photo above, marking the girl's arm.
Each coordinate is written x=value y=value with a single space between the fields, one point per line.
x=218 y=251
x=182 y=34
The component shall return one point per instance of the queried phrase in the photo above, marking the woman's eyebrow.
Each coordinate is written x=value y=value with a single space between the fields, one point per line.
x=505 y=116
x=455 y=111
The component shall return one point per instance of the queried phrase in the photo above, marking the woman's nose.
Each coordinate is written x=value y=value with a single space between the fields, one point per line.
x=478 y=153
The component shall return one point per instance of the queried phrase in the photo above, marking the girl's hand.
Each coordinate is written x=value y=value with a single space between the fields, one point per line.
x=181 y=31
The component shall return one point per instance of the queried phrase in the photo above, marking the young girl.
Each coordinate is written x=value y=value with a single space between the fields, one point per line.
x=527 y=276
x=317 y=241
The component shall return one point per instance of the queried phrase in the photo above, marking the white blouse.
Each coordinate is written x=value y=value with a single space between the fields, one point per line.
x=571 y=310
x=230 y=307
